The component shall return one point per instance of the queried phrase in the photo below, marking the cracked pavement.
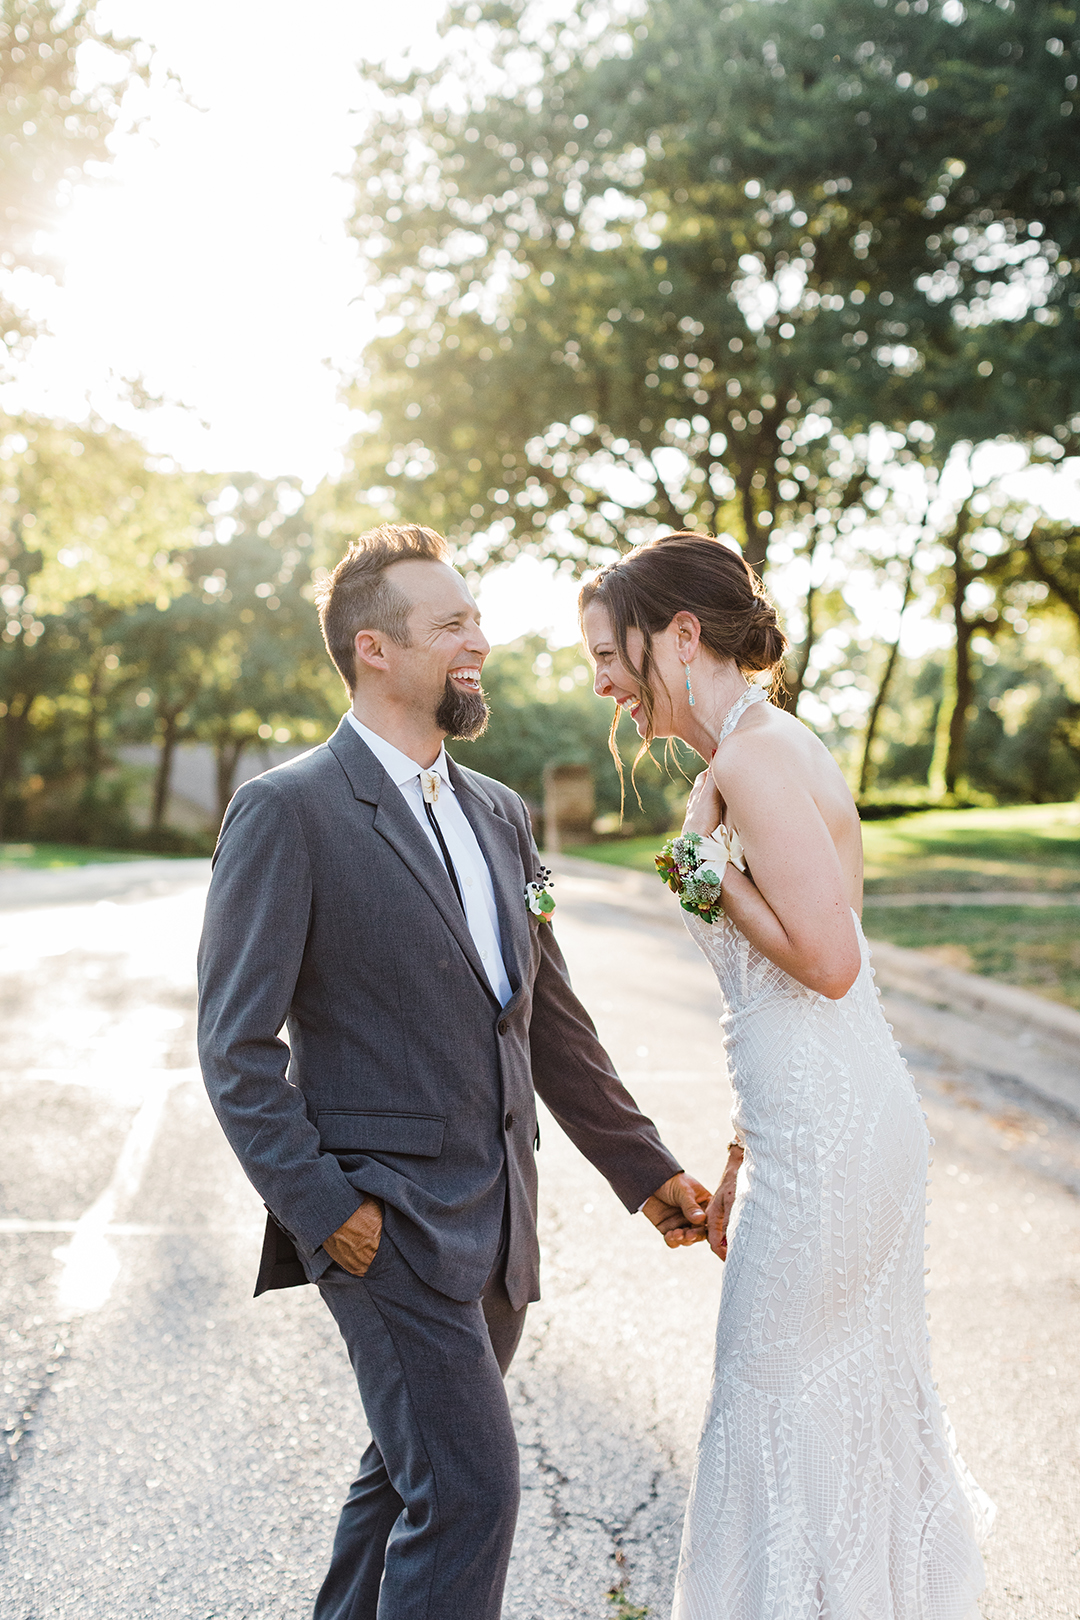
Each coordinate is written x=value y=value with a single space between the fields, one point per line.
x=176 y=1449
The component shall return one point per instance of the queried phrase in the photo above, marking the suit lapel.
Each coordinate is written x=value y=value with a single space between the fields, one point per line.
x=499 y=844
x=395 y=822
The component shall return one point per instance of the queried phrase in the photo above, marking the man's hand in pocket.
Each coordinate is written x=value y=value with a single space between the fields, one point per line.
x=354 y=1245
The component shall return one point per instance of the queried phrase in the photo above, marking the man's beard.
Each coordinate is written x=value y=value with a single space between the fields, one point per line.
x=462 y=715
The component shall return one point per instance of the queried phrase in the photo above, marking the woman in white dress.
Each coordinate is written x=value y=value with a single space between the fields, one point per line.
x=827 y=1486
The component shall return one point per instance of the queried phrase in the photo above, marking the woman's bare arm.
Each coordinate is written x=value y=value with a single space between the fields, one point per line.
x=794 y=907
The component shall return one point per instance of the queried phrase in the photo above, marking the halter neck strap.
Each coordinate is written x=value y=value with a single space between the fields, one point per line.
x=753 y=694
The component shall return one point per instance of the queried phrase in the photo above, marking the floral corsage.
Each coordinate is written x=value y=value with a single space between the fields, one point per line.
x=538 y=896
x=693 y=867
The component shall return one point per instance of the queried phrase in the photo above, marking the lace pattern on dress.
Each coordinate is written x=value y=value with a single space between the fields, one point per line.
x=827 y=1484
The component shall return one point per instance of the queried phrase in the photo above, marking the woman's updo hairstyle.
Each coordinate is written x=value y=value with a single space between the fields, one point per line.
x=688 y=573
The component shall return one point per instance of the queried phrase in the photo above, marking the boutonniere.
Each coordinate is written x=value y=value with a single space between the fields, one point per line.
x=693 y=867
x=538 y=896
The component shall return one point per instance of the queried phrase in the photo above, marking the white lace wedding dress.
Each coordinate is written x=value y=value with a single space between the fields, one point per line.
x=827 y=1485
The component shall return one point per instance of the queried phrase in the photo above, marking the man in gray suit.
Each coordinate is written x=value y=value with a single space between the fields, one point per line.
x=372 y=896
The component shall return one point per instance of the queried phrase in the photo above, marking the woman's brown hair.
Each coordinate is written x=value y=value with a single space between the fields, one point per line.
x=687 y=573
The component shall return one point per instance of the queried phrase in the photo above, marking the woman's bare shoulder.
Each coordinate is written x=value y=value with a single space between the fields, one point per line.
x=770 y=745
x=767 y=735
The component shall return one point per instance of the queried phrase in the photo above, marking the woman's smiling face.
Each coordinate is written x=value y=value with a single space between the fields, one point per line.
x=616 y=681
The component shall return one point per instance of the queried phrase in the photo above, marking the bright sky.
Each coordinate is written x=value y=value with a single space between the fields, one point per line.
x=213 y=261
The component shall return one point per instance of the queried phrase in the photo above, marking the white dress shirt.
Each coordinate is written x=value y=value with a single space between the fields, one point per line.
x=473 y=874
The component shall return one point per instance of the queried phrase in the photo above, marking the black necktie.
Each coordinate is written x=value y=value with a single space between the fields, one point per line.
x=437 y=830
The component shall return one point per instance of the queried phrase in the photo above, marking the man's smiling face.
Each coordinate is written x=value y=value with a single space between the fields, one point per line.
x=438 y=673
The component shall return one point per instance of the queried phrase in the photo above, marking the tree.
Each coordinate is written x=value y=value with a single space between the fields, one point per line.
x=866 y=764
x=1052 y=555
x=631 y=278
x=85 y=511
x=30 y=670
x=184 y=613
x=89 y=526
x=976 y=522
x=928 y=161
x=268 y=673
x=1021 y=744
x=171 y=650
x=669 y=402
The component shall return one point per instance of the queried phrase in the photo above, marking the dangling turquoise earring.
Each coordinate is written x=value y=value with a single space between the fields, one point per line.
x=689 y=688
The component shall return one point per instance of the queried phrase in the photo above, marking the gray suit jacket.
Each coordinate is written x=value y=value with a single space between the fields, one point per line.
x=330 y=912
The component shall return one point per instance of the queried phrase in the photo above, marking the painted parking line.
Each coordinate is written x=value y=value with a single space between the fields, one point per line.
x=90 y=1264
x=14 y=1226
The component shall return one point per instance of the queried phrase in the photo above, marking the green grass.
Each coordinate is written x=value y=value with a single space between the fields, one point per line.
x=622 y=1608
x=1037 y=949
x=1030 y=846
x=34 y=857
x=636 y=852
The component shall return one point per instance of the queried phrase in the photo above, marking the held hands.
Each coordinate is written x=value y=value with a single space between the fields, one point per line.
x=354 y=1245
x=677 y=1210
x=683 y=1212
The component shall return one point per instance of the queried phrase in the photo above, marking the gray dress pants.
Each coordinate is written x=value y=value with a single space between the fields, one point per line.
x=427 y=1527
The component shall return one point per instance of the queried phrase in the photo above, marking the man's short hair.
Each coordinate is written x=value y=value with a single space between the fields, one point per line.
x=358 y=596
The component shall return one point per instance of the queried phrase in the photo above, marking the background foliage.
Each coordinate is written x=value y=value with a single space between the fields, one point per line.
x=801 y=272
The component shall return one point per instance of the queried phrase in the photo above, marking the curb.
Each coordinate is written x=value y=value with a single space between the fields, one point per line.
x=942 y=986
x=103 y=880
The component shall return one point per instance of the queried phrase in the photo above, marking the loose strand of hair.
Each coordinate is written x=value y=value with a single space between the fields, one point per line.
x=642 y=676
x=613 y=750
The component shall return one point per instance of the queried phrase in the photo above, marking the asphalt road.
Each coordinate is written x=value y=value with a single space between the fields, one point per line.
x=177 y=1449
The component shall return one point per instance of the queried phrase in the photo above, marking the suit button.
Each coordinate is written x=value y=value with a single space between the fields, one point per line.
x=508 y=1121
x=503 y=1026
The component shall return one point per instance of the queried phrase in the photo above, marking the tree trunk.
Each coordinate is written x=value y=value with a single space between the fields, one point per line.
x=93 y=742
x=15 y=723
x=756 y=553
x=865 y=770
x=935 y=780
x=662 y=497
x=958 y=687
x=227 y=751
x=772 y=494
x=965 y=694
x=169 y=734
x=797 y=680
